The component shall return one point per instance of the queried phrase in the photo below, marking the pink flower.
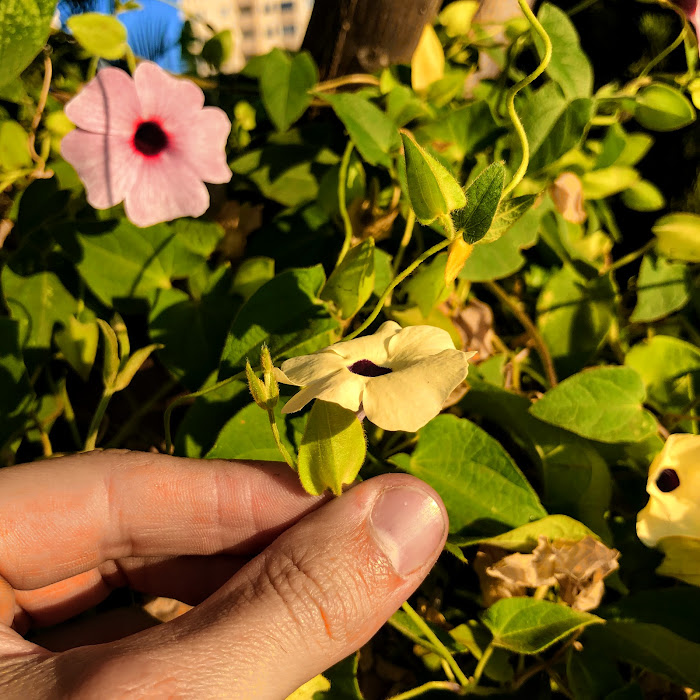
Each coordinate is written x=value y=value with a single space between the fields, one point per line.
x=146 y=141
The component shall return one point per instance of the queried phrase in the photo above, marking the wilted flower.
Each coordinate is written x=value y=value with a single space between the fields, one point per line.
x=146 y=141
x=567 y=195
x=674 y=492
x=400 y=377
x=576 y=567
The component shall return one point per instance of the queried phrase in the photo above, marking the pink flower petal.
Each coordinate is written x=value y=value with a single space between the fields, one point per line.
x=164 y=98
x=201 y=141
x=107 y=104
x=106 y=164
x=164 y=189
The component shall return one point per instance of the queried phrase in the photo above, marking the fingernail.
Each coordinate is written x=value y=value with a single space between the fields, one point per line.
x=408 y=526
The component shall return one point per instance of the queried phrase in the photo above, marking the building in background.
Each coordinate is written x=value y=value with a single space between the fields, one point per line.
x=257 y=26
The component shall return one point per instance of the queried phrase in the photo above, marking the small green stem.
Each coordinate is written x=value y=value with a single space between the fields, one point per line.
x=352 y=79
x=46 y=447
x=92 y=68
x=130 y=59
x=433 y=639
x=672 y=47
x=405 y=240
x=530 y=327
x=69 y=414
x=278 y=440
x=630 y=257
x=187 y=397
x=94 y=428
x=342 y=202
x=430 y=685
x=583 y=5
x=512 y=93
x=481 y=665
x=395 y=283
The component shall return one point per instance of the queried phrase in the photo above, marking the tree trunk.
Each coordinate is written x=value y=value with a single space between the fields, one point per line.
x=351 y=36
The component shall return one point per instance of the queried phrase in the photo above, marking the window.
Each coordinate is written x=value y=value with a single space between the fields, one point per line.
x=248 y=34
x=288 y=30
x=287 y=6
x=270 y=31
x=245 y=10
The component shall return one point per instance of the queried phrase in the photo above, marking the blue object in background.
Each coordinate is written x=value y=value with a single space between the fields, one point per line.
x=153 y=32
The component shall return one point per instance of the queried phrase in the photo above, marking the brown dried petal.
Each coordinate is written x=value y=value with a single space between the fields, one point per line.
x=567 y=195
x=494 y=588
x=474 y=323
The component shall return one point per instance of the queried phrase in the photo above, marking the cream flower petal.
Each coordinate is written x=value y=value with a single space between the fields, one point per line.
x=108 y=104
x=169 y=100
x=407 y=399
x=164 y=190
x=106 y=163
x=342 y=387
x=369 y=347
x=306 y=369
x=416 y=343
x=674 y=512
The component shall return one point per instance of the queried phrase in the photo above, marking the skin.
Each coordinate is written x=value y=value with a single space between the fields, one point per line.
x=285 y=584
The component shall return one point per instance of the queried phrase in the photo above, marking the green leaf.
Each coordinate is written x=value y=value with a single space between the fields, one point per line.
x=569 y=66
x=660 y=107
x=670 y=370
x=247 y=435
x=193 y=331
x=286 y=314
x=529 y=626
x=332 y=449
x=252 y=274
x=100 y=35
x=426 y=287
x=502 y=257
x=525 y=537
x=38 y=302
x=574 y=316
x=284 y=86
x=662 y=288
x=78 y=343
x=483 y=197
x=352 y=282
x=603 y=183
x=16 y=395
x=643 y=196
x=343 y=678
x=375 y=136
x=484 y=491
x=508 y=213
x=217 y=49
x=432 y=189
x=24 y=29
x=457 y=17
x=14 y=148
x=678 y=236
x=650 y=647
x=602 y=403
x=591 y=674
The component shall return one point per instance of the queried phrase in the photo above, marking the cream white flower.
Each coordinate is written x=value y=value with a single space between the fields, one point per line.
x=674 y=492
x=400 y=377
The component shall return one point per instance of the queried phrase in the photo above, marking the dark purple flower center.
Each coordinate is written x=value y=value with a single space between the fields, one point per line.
x=367 y=368
x=150 y=139
x=668 y=480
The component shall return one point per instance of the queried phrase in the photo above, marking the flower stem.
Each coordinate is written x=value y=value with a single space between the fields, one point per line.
x=395 y=283
x=430 y=685
x=352 y=79
x=46 y=447
x=432 y=637
x=671 y=47
x=92 y=68
x=130 y=59
x=183 y=399
x=342 y=201
x=529 y=326
x=41 y=104
x=510 y=100
x=94 y=428
x=481 y=665
x=630 y=257
x=405 y=240
x=278 y=440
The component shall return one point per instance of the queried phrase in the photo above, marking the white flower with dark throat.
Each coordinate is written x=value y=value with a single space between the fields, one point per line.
x=400 y=377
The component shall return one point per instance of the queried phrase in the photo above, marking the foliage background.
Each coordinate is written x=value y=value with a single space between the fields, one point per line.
x=608 y=308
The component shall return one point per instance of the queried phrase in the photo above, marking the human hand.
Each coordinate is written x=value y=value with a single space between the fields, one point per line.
x=285 y=584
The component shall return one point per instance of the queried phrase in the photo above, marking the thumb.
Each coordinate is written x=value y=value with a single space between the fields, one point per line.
x=315 y=595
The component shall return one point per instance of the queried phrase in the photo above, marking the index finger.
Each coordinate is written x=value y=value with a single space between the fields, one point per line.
x=63 y=516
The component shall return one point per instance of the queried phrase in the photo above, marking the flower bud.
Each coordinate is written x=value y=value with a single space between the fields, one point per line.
x=271 y=388
x=257 y=388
